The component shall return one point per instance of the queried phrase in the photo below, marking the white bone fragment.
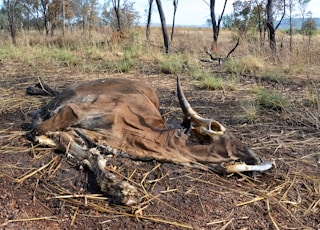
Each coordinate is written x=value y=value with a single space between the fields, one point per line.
x=243 y=167
x=45 y=141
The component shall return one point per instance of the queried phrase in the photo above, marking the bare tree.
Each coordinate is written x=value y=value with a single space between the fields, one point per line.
x=10 y=6
x=149 y=20
x=163 y=26
x=302 y=7
x=175 y=6
x=291 y=5
x=116 y=7
x=216 y=24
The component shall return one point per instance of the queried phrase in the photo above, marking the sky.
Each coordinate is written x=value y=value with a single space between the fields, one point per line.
x=196 y=12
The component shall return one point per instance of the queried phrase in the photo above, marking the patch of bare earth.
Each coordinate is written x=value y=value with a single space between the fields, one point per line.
x=42 y=189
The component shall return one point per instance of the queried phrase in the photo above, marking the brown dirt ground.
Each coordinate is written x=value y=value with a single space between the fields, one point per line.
x=287 y=197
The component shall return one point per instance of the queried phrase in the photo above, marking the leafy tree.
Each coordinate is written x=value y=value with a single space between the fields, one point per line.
x=259 y=18
x=32 y=14
x=243 y=16
x=120 y=16
x=3 y=19
x=248 y=15
x=58 y=11
x=85 y=13
x=209 y=22
x=309 y=28
x=12 y=9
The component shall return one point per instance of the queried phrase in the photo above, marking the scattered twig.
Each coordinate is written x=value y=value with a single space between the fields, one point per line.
x=51 y=218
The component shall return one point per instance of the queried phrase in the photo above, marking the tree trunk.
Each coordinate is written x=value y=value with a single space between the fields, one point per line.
x=44 y=5
x=270 y=26
x=10 y=6
x=272 y=37
x=175 y=6
x=215 y=29
x=163 y=26
x=215 y=25
x=260 y=22
x=149 y=20
x=290 y=30
x=63 y=19
x=116 y=7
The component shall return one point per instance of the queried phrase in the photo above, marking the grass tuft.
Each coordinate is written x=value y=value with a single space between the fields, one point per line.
x=270 y=100
x=209 y=81
x=251 y=111
x=172 y=64
x=274 y=76
x=312 y=99
x=248 y=64
x=216 y=83
x=65 y=56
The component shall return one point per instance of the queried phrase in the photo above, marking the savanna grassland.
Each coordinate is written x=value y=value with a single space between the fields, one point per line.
x=270 y=100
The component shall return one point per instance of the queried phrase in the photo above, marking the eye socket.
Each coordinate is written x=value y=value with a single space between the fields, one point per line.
x=215 y=126
x=197 y=137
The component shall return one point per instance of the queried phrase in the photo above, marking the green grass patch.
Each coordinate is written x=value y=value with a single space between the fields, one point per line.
x=214 y=83
x=275 y=76
x=120 y=66
x=271 y=100
x=124 y=62
x=169 y=66
x=209 y=81
x=9 y=52
x=234 y=66
x=198 y=73
x=64 y=56
x=248 y=64
x=172 y=64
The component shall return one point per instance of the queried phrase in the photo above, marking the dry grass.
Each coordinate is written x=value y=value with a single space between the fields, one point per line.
x=290 y=194
x=88 y=51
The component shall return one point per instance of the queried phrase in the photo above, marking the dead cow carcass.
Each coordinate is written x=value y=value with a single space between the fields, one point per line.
x=121 y=117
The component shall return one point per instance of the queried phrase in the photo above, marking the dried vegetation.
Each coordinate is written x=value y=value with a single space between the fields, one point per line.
x=271 y=101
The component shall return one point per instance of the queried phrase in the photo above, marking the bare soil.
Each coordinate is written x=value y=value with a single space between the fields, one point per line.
x=42 y=189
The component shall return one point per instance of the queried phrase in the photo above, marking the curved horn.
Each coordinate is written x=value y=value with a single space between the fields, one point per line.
x=206 y=126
